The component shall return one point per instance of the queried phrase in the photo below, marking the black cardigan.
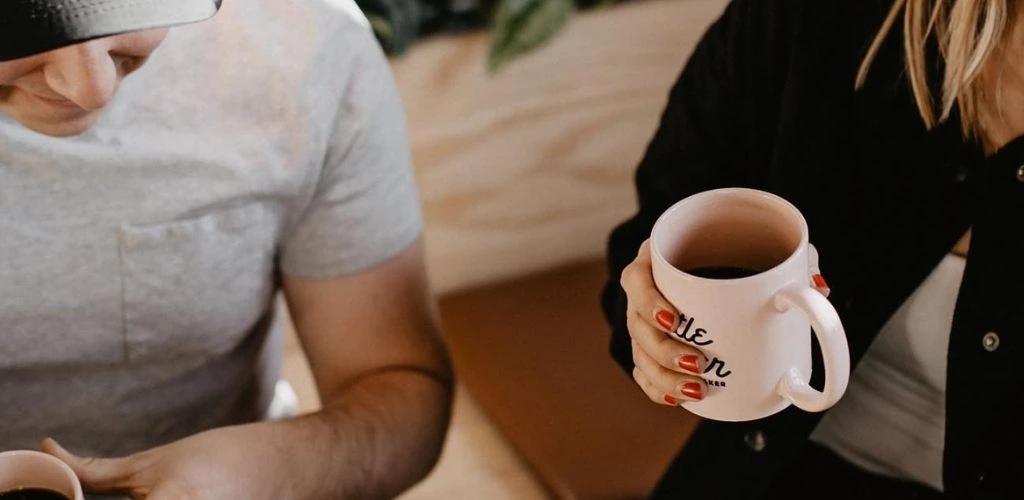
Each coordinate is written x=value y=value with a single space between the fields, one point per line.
x=767 y=101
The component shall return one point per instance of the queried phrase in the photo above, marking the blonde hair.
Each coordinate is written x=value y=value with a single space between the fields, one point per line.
x=968 y=32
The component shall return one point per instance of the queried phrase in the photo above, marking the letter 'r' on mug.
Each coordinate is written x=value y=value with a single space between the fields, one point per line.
x=737 y=264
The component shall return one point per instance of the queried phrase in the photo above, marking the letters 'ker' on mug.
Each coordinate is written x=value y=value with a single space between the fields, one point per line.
x=737 y=265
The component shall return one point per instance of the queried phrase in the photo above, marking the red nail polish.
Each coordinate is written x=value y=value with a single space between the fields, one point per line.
x=671 y=400
x=693 y=390
x=666 y=319
x=819 y=281
x=690 y=363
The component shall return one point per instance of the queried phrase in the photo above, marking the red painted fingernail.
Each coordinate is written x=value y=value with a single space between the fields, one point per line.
x=819 y=281
x=693 y=390
x=671 y=400
x=666 y=319
x=690 y=363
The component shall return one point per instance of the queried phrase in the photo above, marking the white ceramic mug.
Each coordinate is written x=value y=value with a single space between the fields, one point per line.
x=755 y=330
x=32 y=469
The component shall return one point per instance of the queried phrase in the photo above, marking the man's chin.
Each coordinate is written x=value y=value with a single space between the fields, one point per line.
x=59 y=128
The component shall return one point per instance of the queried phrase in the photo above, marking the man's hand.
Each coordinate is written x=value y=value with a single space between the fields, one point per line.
x=232 y=462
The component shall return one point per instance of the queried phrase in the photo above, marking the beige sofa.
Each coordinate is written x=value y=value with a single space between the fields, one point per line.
x=523 y=175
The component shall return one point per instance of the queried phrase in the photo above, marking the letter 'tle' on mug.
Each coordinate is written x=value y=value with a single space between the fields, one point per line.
x=737 y=264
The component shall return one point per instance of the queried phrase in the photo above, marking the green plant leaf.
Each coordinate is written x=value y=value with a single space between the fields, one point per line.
x=520 y=26
x=395 y=22
x=385 y=33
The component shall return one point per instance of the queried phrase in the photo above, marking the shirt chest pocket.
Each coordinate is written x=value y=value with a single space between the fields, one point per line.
x=60 y=296
x=196 y=287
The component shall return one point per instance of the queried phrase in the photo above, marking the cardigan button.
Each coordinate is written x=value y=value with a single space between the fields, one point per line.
x=755 y=440
x=1020 y=173
x=990 y=341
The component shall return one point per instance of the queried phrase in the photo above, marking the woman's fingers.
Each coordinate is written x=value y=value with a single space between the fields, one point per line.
x=667 y=370
x=638 y=282
x=663 y=349
x=665 y=386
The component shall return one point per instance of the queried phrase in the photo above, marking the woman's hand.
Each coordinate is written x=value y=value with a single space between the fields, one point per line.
x=227 y=463
x=666 y=369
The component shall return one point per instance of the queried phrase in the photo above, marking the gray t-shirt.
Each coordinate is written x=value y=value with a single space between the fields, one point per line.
x=139 y=261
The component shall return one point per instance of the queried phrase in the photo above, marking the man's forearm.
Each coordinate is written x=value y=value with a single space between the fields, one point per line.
x=374 y=439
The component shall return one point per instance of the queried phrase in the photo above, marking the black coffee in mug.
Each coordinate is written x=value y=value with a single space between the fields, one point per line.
x=722 y=272
x=32 y=494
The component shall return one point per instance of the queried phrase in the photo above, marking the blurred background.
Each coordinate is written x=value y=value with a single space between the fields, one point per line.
x=527 y=119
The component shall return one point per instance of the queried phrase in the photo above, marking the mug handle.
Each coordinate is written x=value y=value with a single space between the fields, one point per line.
x=824 y=320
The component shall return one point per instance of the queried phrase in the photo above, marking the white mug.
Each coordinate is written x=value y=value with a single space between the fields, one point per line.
x=737 y=265
x=22 y=469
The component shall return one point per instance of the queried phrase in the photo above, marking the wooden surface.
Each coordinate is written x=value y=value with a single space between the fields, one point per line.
x=534 y=353
x=531 y=168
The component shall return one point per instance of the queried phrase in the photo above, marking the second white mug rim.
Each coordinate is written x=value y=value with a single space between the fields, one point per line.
x=44 y=456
